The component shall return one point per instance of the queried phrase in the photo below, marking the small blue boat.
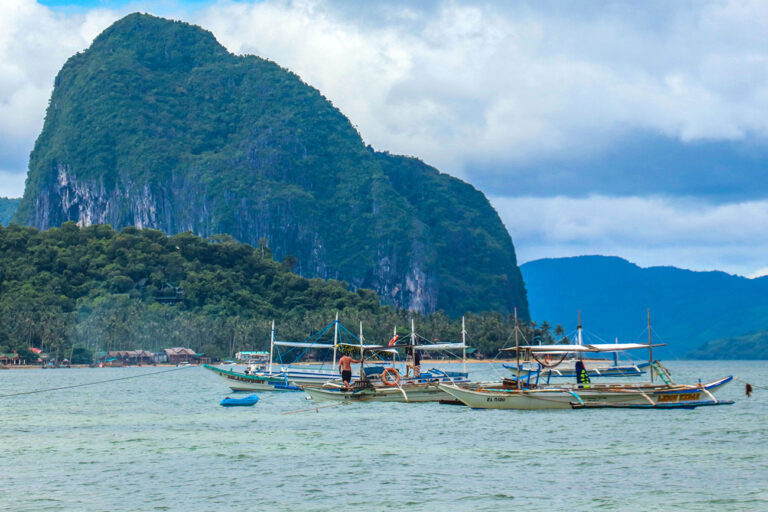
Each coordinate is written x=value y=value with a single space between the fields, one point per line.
x=234 y=402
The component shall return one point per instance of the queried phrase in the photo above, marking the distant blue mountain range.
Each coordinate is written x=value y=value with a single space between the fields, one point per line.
x=688 y=309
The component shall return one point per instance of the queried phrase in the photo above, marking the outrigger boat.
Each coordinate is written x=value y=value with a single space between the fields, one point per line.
x=564 y=367
x=516 y=394
x=286 y=377
x=387 y=386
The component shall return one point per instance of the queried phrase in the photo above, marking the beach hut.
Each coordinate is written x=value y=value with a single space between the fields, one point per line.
x=178 y=355
x=13 y=359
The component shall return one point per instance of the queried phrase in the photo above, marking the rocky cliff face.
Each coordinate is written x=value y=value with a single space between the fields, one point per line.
x=156 y=125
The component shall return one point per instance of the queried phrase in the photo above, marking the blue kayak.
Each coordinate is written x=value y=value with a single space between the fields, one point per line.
x=245 y=401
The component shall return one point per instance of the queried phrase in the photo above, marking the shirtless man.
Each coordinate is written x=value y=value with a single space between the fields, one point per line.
x=345 y=367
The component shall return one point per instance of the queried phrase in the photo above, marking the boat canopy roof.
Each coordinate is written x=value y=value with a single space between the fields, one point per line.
x=378 y=348
x=440 y=346
x=595 y=347
x=303 y=344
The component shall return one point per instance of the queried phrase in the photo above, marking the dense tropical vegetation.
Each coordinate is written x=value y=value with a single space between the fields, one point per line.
x=76 y=291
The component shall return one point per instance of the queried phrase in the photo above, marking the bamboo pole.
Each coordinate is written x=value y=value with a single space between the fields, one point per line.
x=650 y=346
x=464 y=349
x=335 y=339
x=517 y=350
x=271 y=346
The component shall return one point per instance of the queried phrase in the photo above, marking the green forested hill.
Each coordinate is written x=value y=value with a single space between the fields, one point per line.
x=749 y=346
x=7 y=209
x=157 y=125
x=100 y=289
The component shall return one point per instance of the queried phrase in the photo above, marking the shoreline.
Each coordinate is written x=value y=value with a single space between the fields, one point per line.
x=166 y=365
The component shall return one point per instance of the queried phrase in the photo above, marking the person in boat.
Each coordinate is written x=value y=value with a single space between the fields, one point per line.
x=582 y=375
x=345 y=368
x=416 y=366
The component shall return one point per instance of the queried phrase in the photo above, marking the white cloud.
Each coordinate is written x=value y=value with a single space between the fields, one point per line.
x=648 y=231
x=759 y=273
x=473 y=81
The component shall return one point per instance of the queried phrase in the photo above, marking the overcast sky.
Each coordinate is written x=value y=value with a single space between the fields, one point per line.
x=635 y=129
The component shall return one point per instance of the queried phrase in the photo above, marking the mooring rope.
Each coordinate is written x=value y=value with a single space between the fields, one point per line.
x=93 y=383
x=315 y=409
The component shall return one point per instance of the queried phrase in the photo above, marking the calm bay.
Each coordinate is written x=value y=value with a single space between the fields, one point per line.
x=162 y=442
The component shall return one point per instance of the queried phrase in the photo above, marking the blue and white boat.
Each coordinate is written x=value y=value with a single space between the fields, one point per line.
x=280 y=377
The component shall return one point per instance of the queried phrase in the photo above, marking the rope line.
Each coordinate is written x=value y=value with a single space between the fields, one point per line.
x=92 y=383
x=753 y=385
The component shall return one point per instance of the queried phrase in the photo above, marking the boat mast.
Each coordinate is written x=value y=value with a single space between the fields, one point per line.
x=578 y=330
x=362 y=352
x=271 y=346
x=464 y=349
x=413 y=342
x=335 y=338
x=650 y=346
x=394 y=355
x=517 y=350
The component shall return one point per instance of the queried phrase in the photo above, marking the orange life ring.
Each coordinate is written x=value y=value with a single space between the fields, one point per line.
x=385 y=377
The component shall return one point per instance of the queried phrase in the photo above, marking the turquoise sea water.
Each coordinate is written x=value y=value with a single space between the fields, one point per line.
x=162 y=442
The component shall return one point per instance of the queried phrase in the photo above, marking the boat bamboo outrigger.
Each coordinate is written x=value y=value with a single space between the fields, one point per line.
x=516 y=394
x=387 y=384
x=288 y=377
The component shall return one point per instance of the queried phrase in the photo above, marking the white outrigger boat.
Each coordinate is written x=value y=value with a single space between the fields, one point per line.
x=516 y=394
x=558 y=365
x=285 y=378
x=389 y=387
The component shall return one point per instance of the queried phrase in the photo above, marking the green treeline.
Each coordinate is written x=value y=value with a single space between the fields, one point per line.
x=81 y=290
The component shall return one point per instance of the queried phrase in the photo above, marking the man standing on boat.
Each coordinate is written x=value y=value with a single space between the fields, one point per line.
x=416 y=364
x=345 y=367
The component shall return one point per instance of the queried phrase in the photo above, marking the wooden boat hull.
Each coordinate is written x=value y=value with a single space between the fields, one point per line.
x=564 y=398
x=420 y=392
